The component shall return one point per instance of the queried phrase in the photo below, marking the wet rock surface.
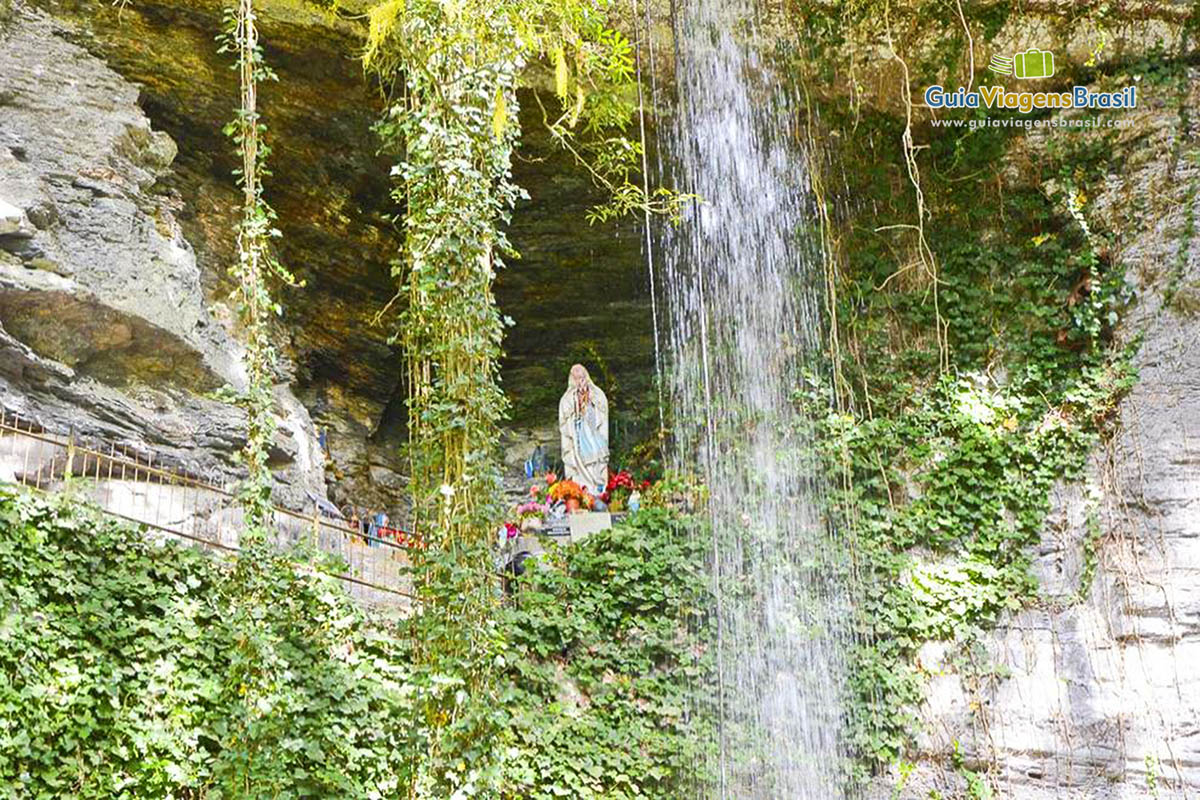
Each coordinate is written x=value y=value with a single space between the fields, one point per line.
x=1093 y=693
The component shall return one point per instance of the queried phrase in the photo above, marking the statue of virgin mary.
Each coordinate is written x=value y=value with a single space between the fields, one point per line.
x=583 y=422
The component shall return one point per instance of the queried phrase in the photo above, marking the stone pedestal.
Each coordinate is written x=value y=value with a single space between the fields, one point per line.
x=573 y=528
x=585 y=523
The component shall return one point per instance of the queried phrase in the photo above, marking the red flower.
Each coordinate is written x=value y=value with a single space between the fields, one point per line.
x=551 y=478
x=620 y=480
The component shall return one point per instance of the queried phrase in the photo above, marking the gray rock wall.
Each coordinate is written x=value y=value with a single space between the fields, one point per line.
x=1095 y=694
x=104 y=324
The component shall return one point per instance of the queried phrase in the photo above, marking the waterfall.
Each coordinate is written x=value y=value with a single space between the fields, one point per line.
x=742 y=278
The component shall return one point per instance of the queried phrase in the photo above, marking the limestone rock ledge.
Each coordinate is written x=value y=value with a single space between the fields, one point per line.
x=104 y=326
x=1094 y=694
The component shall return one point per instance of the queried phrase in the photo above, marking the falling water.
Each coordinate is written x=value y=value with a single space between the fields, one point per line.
x=742 y=281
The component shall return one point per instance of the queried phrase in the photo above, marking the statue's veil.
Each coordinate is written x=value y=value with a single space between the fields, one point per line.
x=586 y=375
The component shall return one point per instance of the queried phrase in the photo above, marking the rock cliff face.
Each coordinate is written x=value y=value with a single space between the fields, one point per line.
x=156 y=236
x=328 y=186
x=105 y=325
x=1094 y=692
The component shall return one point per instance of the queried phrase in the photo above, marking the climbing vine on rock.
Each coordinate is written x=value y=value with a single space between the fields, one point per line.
x=450 y=71
x=942 y=451
x=945 y=483
x=255 y=266
x=259 y=666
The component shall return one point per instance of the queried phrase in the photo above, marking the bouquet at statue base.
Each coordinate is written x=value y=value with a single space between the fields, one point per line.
x=571 y=494
x=540 y=491
x=620 y=489
x=531 y=514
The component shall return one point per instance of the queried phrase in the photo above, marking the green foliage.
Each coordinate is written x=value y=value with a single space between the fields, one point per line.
x=941 y=478
x=456 y=650
x=122 y=675
x=944 y=497
x=943 y=501
x=1152 y=774
x=978 y=787
x=604 y=672
x=1091 y=556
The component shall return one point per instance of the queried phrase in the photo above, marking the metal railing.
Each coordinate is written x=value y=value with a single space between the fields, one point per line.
x=131 y=486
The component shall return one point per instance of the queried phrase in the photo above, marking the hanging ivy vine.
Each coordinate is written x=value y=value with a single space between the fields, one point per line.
x=255 y=266
x=450 y=120
x=258 y=673
x=450 y=71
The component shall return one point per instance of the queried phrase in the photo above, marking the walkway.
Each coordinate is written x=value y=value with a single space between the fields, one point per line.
x=132 y=487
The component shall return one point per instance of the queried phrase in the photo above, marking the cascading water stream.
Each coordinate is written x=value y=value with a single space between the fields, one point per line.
x=742 y=281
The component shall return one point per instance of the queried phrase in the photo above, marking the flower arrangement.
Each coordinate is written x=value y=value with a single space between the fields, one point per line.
x=620 y=487
x=532 y=509
x=571 y=494
x=529 y=515
x=551 y=493
x=566 y=490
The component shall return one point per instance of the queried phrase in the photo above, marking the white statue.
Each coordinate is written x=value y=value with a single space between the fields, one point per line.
x=583 y=421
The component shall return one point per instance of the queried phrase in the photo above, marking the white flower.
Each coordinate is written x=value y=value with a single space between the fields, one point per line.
x=447 y=490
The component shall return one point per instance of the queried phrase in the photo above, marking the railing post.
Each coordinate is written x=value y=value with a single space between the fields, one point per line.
x=70 y=455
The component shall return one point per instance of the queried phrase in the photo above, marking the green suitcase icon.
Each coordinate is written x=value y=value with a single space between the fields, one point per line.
x=1033 y=64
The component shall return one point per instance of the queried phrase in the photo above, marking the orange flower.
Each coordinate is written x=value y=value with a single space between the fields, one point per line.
x=565 y=490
